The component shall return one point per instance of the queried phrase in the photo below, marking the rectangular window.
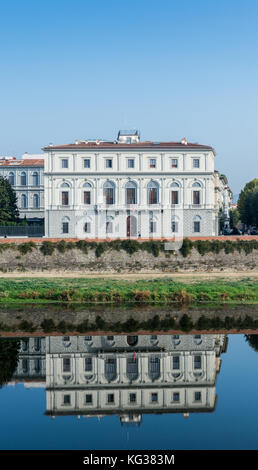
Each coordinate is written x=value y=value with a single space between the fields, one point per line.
x=86 y=197
x=197 y=227
x=65 y=227
x=109 y=227
x=130 y=163
x=67 y=400
x=64 y=163
x=109 y=163
x=153 y=163
x=174 y=226
x=66 y=364
x=37 y=365
x=176 y=396
x=88 y=364
x=153 y=226
x=110 y=398
x=87 y=163
x=175 y=362
x=196 y=163
x=197 y=362
x=88 y=399
x=154 y=397
x=174 y=163
x=197 y=396
x=196 y=197
x=174 y=197
x=87 y=227
x=132 y=397
x=65 y=198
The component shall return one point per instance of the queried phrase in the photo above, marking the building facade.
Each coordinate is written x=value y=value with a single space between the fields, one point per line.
x=128 y=375
x=130 y=189
x=26 y=176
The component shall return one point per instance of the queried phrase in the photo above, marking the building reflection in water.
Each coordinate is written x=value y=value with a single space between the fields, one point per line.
x=125 y=375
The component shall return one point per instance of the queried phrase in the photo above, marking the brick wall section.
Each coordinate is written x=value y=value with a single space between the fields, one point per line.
x=112 y=261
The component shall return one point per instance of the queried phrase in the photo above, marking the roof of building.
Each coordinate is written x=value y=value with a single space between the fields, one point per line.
x=96 y=144
x=29 y=162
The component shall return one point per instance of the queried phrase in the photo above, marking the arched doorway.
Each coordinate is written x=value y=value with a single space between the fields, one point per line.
x=131 y=226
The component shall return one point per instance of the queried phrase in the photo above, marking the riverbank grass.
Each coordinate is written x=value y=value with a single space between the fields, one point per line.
x=165 y=290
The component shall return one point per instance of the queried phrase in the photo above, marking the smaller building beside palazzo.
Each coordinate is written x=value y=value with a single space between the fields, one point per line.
x=131 y=189
x=26 y=176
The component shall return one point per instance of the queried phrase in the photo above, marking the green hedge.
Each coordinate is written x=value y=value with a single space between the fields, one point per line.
x=132 y=246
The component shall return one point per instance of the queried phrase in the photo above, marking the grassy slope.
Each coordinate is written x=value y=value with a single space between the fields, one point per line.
x=108 y=290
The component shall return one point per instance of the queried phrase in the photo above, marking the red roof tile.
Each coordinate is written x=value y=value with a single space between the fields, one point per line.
x=29 y=162
x=113 y=145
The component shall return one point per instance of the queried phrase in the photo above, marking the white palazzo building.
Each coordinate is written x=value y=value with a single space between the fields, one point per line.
x=128 y=188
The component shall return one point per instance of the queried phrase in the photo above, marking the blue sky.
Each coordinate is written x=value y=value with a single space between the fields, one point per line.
x=85 y=69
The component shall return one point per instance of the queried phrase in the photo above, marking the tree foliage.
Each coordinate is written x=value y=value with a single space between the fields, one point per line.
x=8 y=203
x=252 y=341
x=248 y=203
x=9 y=355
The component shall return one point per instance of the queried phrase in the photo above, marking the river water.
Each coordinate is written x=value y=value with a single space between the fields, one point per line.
x=159 y=391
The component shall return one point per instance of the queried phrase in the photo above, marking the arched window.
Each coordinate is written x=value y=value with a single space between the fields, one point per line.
x=175 y=193
x=11 y=178
x=110 y=369
x=154 y=367
x=197 y=224
x=109 y=193
x=65 y=224
x=153 y=192
x=86 y=193
x=35 y=179
x=196 y=193
x=132 y=368
x=132 y=340
x=23 y=179
x=65 y=194
x=131 y=193
x=24 y=201
x=36 y=201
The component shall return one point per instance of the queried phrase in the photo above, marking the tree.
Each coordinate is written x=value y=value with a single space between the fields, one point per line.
x=252 y=341
x=9 y=356
x=8 y=203
x=247 y=203
x=234 y=218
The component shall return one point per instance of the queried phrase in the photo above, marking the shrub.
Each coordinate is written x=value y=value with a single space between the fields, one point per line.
x=100 y=323
x=47 y=248
x=24 y=325
x=141 y=296
x=99 y=250
x=186 y=247
x=48 y=325
x=186 y=323
x=82 y=245
x=61 y=246
x=182 y=296
x=130 y=246
x=26 y=247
